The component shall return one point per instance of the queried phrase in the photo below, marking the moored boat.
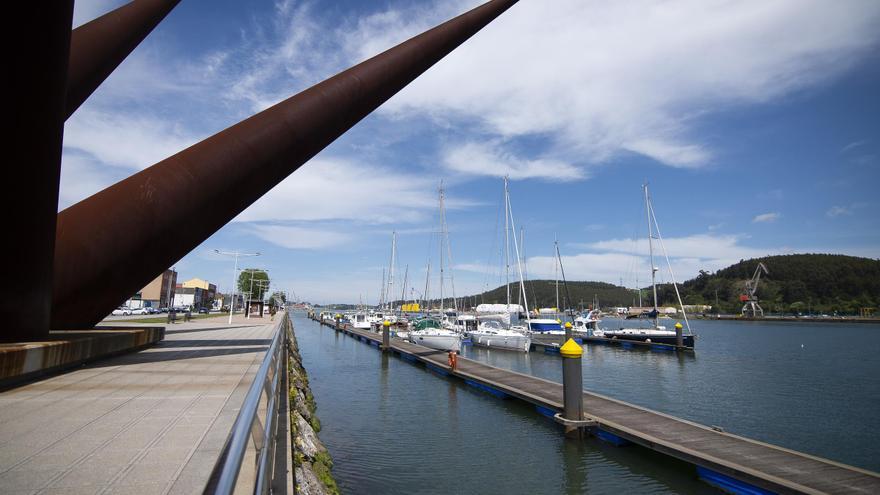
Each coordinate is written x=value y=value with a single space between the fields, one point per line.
x=656 y=333
x=492 y=334
x=429 y=333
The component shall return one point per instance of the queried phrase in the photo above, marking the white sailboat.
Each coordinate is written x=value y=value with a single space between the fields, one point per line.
x=656 y=333
x=430 y=332
x=492 y=333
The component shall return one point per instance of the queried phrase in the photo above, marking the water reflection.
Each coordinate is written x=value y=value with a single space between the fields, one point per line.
x=394 y=427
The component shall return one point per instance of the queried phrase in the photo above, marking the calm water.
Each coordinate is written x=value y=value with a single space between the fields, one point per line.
x=397 y=428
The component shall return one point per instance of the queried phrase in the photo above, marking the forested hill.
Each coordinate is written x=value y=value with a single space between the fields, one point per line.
x=822 y=283
x=796 y=282
x=542 y=294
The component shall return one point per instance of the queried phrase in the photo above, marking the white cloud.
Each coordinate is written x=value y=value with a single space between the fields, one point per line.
x=837 y=211
x=693 y=246
x=125 y=139
x=609 y=77
x=853 y=145
x=766 y=217
x=82 y=176
x=490 y=159
x=613 y=259
x=336 y=189
x=293 y=237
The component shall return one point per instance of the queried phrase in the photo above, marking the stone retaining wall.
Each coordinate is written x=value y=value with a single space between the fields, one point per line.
x=311 y=461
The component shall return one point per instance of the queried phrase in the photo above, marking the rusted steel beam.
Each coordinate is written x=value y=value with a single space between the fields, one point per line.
x=35 y=68
x=99 y=46
x=114 y=242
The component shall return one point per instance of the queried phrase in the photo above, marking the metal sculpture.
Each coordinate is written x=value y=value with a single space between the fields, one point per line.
x=99 y=46
x=100 y=260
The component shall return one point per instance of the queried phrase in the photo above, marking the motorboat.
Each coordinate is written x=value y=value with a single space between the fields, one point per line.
x=429 y=333
x=494 y=335
x=360 y=320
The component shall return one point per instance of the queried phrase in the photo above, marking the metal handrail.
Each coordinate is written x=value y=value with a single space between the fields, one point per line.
x=266 y=381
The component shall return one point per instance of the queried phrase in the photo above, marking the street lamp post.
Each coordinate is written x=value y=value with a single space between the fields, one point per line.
x=235 y=254
x=172 y=279
x=262 y=290
x=250 y=291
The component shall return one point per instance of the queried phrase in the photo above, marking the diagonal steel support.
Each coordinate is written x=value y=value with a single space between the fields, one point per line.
x=99 y=46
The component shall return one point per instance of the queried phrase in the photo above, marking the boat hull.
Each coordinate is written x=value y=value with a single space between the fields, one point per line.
x=686 y=340
x=439 y=342
x=544 y=325
x=509 y=342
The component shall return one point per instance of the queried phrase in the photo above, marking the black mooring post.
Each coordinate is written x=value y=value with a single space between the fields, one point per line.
x=572 y=385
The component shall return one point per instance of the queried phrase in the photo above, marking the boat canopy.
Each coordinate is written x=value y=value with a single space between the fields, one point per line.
x=426 y=323
x=499 y=308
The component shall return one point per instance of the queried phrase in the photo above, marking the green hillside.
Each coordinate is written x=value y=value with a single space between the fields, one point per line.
x=817 y=283
x=542 y=294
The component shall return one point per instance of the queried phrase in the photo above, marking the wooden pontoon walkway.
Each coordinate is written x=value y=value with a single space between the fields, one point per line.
x=758 y=464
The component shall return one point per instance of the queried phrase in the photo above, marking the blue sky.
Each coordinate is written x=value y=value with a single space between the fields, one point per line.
x=757 y=125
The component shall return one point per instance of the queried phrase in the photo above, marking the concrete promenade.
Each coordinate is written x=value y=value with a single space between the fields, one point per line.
x=148 y=422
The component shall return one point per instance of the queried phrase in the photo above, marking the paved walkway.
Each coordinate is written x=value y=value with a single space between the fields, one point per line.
x=148 y=422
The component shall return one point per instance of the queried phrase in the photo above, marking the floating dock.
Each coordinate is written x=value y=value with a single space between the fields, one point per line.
x=730 y=462
x=550 y=344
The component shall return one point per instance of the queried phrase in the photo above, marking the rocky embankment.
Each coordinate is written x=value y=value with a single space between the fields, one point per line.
x=311 y=461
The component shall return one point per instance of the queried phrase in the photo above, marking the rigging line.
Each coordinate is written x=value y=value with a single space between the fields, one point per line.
x=449 y=256
x=489 y=259
x=669 y=266
x=565 y=285
x=519 y=265
x=530 y=284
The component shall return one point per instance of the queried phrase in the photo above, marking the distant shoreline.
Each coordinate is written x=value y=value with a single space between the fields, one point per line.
x=798 y=319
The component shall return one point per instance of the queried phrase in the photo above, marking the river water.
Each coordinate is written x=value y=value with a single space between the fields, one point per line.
x=393 y=427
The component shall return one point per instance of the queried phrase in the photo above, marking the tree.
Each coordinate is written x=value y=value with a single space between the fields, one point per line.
x=277 y=296
x=253 y=281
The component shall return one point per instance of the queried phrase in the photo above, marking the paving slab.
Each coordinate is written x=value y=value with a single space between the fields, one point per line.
x=153 y=421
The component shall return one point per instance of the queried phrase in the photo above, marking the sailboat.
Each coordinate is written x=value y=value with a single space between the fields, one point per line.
x=360 y=319
x=430 y=332
x=493 y=333
x=656 y=333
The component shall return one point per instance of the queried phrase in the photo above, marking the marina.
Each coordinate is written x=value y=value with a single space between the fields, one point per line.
x=721 y=458
x=196 y=211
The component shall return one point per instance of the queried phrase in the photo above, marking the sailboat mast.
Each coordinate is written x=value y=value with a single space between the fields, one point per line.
x=441 y=246
x=382 y=291
x=405 y=281
x=427 y=300
x=390 y=290
x=651 y=251
x=522 y=284
x=522 y=259
x=506 y=245
x=449 y=258
x=556 y=272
